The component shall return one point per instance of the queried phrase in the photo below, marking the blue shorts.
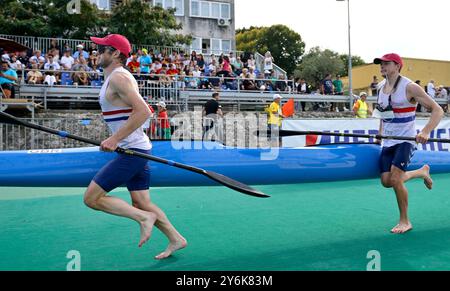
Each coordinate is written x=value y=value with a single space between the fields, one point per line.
x=125 y=170
x=399 y=155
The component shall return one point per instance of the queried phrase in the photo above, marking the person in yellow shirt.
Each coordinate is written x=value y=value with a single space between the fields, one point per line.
x=361 y=108
x=275 y=117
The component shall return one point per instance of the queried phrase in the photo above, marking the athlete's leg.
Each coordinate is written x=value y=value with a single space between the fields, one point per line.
x=141 y=200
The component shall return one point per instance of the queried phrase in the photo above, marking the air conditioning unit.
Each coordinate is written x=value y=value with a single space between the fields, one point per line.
x=223 y=22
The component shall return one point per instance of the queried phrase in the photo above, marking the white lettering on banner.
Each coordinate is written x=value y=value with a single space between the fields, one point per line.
x=355 y=126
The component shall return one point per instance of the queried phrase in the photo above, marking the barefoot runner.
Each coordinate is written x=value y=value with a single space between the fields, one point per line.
x=125 y=112
x=398 y=99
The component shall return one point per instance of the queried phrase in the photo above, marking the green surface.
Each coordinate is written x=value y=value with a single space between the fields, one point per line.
x=326 y=226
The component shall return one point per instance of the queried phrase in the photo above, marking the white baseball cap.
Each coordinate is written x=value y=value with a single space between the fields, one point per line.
x=162 y=104
x=277 y=96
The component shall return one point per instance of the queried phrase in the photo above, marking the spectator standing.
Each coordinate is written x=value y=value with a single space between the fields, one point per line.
x=361 y=108
x=211 y=112
x=268 y=64
x=163 y=130
x=431 y=89
x=374 y=86
x=419 y=106
x=251 y=63
x=326 y=87
x=303 y=89
x=338 y=86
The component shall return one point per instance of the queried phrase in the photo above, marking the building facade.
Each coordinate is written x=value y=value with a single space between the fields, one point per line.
x=211 y=23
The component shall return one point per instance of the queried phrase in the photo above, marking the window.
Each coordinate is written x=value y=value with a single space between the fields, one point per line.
x=166 y=4
x=206 y=9
x=211 y=46
x=215 y=10
x=225 y=11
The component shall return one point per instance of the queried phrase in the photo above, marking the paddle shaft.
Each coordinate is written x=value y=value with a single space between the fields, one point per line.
x=230 y=183
x=286 y=133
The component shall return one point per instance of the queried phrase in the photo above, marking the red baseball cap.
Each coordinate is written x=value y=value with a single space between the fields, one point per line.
x=389 y=58
x=117 y=41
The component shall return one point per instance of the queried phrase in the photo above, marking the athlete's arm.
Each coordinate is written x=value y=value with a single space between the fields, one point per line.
x=128 y=94
x=419 y=95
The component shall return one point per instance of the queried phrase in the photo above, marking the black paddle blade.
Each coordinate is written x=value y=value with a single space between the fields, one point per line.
x=9 y=119
x=235 y=185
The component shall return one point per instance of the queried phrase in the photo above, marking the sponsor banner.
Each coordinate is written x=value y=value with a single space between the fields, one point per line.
x=355 y=126
x=50 y=151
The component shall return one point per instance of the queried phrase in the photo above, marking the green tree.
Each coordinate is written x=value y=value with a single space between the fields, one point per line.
x=317 y=63
x=49 y=18
x=146 y=24
x=356 y=61
x=285 y=44
x=25 y=17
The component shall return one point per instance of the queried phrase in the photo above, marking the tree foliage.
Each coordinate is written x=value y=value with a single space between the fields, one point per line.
x=317 y=63
x=146 y=24
x=141 y=22
x=285 y=44
x=356 y=61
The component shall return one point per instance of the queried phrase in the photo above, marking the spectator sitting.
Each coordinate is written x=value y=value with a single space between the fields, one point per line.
x=173 y=71
x=197 y=72
x=54 y=45
x=181 y=81
x=162 y=70
x=93 y=59
x=193 y=83
x=67 y=61
x=251 y=73
x=34 y=76
x=15 y=64
x=201 y=62
x=214 y=80
x=7 y=79
x=37 y=57
x=55 y=54
x=282 y=85
x=80 y=52
x=156 y=66
x=95 y=73
x=80 y=63
x=24 y=59
x=51 y=77
x=41 y=64
x=81 y=77
x=92 y=47
x=238 y=66
x=133 y=64
x=212 y=67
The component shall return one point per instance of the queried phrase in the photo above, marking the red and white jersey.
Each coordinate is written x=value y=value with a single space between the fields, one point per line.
x=116 y=117
x=404 y=123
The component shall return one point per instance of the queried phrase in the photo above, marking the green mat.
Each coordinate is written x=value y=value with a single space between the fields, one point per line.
x=325 y=226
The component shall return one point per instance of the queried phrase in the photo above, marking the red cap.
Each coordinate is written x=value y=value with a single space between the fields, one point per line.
x=389 y=58
x=117 y=41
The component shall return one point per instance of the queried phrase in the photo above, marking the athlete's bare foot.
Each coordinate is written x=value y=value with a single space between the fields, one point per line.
x=146 y=228
x=181 y=243
x=427 y=177
x=402 y=228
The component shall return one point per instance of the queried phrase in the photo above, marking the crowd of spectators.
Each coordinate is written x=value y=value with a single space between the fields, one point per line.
x=79 y=66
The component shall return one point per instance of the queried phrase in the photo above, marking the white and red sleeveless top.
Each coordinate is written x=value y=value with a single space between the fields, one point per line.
x=404 y=123
x=116 y=117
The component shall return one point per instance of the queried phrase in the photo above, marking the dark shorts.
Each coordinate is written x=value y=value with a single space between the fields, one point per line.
x=125 y=170
x=399 y=155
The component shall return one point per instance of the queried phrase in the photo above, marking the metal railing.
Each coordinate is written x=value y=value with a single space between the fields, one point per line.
x=231 y=130
x=44 y=43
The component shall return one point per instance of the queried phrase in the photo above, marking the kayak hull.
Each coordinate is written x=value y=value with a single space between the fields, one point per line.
x=77 y=167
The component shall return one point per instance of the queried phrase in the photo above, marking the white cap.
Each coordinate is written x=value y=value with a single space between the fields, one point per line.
x=80 y=46
x=162 y=104
x=277 y=96
x=362 y=94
